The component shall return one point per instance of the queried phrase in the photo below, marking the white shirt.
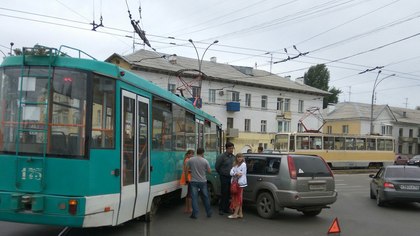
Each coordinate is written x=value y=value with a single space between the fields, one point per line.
x=239 y=169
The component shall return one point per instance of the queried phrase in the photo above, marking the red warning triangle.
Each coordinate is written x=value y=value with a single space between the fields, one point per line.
x=335 y=227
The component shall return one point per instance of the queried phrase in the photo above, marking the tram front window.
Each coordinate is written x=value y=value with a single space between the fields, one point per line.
x=26 y=97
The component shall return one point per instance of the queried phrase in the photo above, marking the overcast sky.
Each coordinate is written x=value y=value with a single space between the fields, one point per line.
x=349 y=36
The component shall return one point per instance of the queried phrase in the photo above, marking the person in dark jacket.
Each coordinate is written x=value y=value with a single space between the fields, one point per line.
x=224 y=164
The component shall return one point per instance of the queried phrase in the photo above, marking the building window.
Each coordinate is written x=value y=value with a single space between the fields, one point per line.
x=300 y=106
x=410 y=149
x=248 y=99
x=212 y=95
x=345 y=129
x=410 y=133
x=247 y=125
x=172 y=88
x=299 y=128
x=264 y=102
x=287 y=104
x=229 y=123
x=235 y=96
x=401 y=132
x=329 y=129
x=263 y=126
x=386 y=130
x=195 y=91
x=279 y=104
x=283 y=126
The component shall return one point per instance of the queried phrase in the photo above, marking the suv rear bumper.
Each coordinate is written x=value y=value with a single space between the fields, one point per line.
x=294 y=199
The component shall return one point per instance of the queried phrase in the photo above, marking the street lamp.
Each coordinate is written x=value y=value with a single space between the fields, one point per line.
x=375 y=84
x=200 y=62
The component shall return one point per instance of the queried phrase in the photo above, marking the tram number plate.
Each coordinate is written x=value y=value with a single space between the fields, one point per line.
x=410 y=187
x=317 y=187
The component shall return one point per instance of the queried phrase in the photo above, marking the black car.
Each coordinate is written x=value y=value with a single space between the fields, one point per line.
x=415 y=161
x=395 y=183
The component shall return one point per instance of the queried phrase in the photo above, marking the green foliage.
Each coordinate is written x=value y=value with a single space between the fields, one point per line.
x=333 y=97
x=319 y=77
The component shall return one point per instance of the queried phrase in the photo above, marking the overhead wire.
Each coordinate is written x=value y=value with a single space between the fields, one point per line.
x=107 y=27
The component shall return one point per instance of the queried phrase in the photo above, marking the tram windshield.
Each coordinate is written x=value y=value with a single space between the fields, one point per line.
x=40 y=117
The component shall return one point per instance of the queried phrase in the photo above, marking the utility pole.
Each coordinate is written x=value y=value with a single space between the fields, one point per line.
x=375 y=84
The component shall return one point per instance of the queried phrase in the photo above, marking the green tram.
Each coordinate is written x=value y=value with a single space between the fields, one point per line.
x=85 y=143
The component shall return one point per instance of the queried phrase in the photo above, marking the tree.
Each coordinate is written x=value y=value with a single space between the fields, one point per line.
x=319 y=77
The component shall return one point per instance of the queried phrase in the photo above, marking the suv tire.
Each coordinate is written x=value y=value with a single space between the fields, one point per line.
x=265 y=205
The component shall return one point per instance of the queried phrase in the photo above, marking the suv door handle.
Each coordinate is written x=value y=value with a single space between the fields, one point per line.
x=259 y=179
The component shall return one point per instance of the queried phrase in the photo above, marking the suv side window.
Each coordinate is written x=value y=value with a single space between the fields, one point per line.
x=263 y=166
x=273 y=166
x=256 y=166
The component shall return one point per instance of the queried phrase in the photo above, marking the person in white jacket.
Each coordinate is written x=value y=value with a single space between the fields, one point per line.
x=238 y=173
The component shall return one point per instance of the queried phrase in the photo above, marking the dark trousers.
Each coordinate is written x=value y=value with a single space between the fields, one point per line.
x=225 y=193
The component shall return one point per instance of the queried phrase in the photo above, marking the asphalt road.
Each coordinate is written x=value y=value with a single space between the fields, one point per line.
x=356 y=212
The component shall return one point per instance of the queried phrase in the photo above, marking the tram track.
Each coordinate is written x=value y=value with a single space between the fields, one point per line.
x=65 y=231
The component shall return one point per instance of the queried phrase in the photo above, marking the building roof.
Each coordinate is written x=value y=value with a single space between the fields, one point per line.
x=361 y=111
x=150 y=60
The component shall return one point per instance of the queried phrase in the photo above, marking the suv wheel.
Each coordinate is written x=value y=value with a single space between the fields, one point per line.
x=312 y=212
x=265 y=205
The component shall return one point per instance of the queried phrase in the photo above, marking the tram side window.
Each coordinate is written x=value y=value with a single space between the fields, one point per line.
x=329 y=143
x=162 y=125
x=210 y=136
x=339 y=143
x=67 y=134
x=360 y=143
x=371 y=142
x=316 y=142
x=302 y=142
x=179 y=127
x=103 y=112
x=389 y=145
x=385 y=145
x=190 y=130
x=350 y=144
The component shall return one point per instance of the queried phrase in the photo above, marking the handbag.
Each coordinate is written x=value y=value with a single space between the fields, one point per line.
x=234 y=186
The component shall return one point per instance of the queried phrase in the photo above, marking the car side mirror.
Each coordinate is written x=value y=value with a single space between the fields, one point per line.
x=372 y=175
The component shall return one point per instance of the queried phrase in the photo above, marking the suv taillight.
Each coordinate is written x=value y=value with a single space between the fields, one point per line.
x=292 y=168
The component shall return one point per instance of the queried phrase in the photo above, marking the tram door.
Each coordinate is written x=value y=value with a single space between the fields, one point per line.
x=135 y=182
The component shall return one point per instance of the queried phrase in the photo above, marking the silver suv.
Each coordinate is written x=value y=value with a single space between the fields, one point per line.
x=278 y=181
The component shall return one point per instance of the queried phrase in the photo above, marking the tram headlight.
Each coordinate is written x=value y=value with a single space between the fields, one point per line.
x=72 y=206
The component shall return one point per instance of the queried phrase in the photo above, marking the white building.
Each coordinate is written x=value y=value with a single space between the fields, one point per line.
x=252 y=104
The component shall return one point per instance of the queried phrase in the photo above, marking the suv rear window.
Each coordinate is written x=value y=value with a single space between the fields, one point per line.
x=311 y=166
